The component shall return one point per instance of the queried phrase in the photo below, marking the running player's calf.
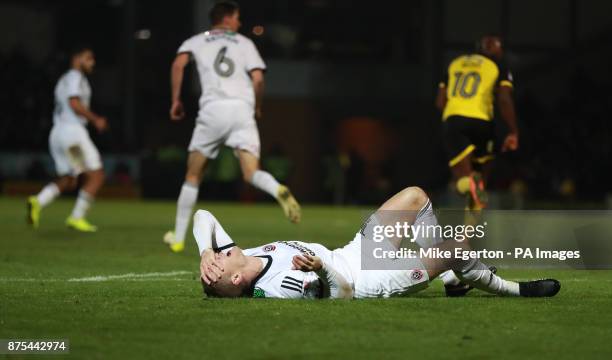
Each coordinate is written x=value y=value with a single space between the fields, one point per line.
x=469 y=183
x=265 y=182
x=196 y=164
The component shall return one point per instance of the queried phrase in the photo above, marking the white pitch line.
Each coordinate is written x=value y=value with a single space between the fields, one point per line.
x=127 y=277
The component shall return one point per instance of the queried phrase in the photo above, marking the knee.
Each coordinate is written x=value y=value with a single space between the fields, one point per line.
x=70 y=184
x=101 y=176
x=193 y=177
x=415 y=197
x=203 y=217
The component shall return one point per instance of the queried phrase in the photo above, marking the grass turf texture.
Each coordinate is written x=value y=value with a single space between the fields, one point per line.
x=166 y=315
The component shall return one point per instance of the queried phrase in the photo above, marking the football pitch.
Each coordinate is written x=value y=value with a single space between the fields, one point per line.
x=120 y=293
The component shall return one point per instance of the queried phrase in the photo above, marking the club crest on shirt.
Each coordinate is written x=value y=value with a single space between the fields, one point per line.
x=269 y=248
x=417 y=275
x=259 y=293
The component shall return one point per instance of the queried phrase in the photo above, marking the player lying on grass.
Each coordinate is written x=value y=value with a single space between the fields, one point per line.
x=294 y=269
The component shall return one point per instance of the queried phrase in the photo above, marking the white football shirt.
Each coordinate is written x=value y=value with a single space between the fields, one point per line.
x=277 y=279
x=224 y=60
x=72 y=84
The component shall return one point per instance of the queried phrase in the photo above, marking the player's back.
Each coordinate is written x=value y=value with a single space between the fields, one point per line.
x=471 y=81
x=71 y=84
x=224 y=60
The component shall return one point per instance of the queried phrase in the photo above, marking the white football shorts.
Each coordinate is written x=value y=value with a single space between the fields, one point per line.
x=72 y=150
x=381 y=283
x=225 y=122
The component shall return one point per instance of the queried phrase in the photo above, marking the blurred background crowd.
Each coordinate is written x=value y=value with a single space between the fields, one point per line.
x=348 y=113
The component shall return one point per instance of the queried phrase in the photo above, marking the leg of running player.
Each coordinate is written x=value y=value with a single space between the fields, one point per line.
x=264 y=181
x=94 y=179
x=46 y=196
x=485 y=171
x=412 y=205
x=468 y=181
x=196 y=164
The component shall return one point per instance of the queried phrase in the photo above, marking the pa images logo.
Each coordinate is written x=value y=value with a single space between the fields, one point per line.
x=269 y=248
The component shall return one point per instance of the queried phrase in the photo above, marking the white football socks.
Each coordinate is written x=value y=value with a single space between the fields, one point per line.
x=184 y=207
x=264 y=181
x=449 y=278
x=82 y=205
x=479 y=276
x=48 y=194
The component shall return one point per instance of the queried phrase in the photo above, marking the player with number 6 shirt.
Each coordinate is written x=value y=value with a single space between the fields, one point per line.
x=231 y=73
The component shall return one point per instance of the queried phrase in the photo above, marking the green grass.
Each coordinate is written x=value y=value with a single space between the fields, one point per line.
x=167 y=316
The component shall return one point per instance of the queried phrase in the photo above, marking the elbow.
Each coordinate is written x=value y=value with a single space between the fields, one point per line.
x=203 y=216
x=258 y=83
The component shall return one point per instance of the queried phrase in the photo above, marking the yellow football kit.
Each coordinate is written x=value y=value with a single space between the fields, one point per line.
x=471 y=82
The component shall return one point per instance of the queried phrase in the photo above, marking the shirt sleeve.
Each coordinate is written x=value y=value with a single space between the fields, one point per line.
x=73 y=84
x=187 y=46
x=505 y=76
x=253 y=59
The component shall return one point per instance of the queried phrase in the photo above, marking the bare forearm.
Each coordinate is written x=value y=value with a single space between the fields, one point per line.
x=441 y=98
x=176 y=81
x=506 y=109
x=82 y=110
x=335 y=286
x=258 y=86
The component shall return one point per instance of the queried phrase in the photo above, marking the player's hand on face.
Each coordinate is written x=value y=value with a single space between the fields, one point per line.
x=210 y=267
x=177 y=112
x=100 y=123
x=307 y=263
x=511 y=143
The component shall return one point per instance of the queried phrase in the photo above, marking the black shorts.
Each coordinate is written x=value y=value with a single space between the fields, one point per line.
x=464 y=136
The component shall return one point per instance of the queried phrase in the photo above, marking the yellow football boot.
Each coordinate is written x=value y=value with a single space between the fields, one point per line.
x=175 y=246
x=80 y=225
x=33 y=212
